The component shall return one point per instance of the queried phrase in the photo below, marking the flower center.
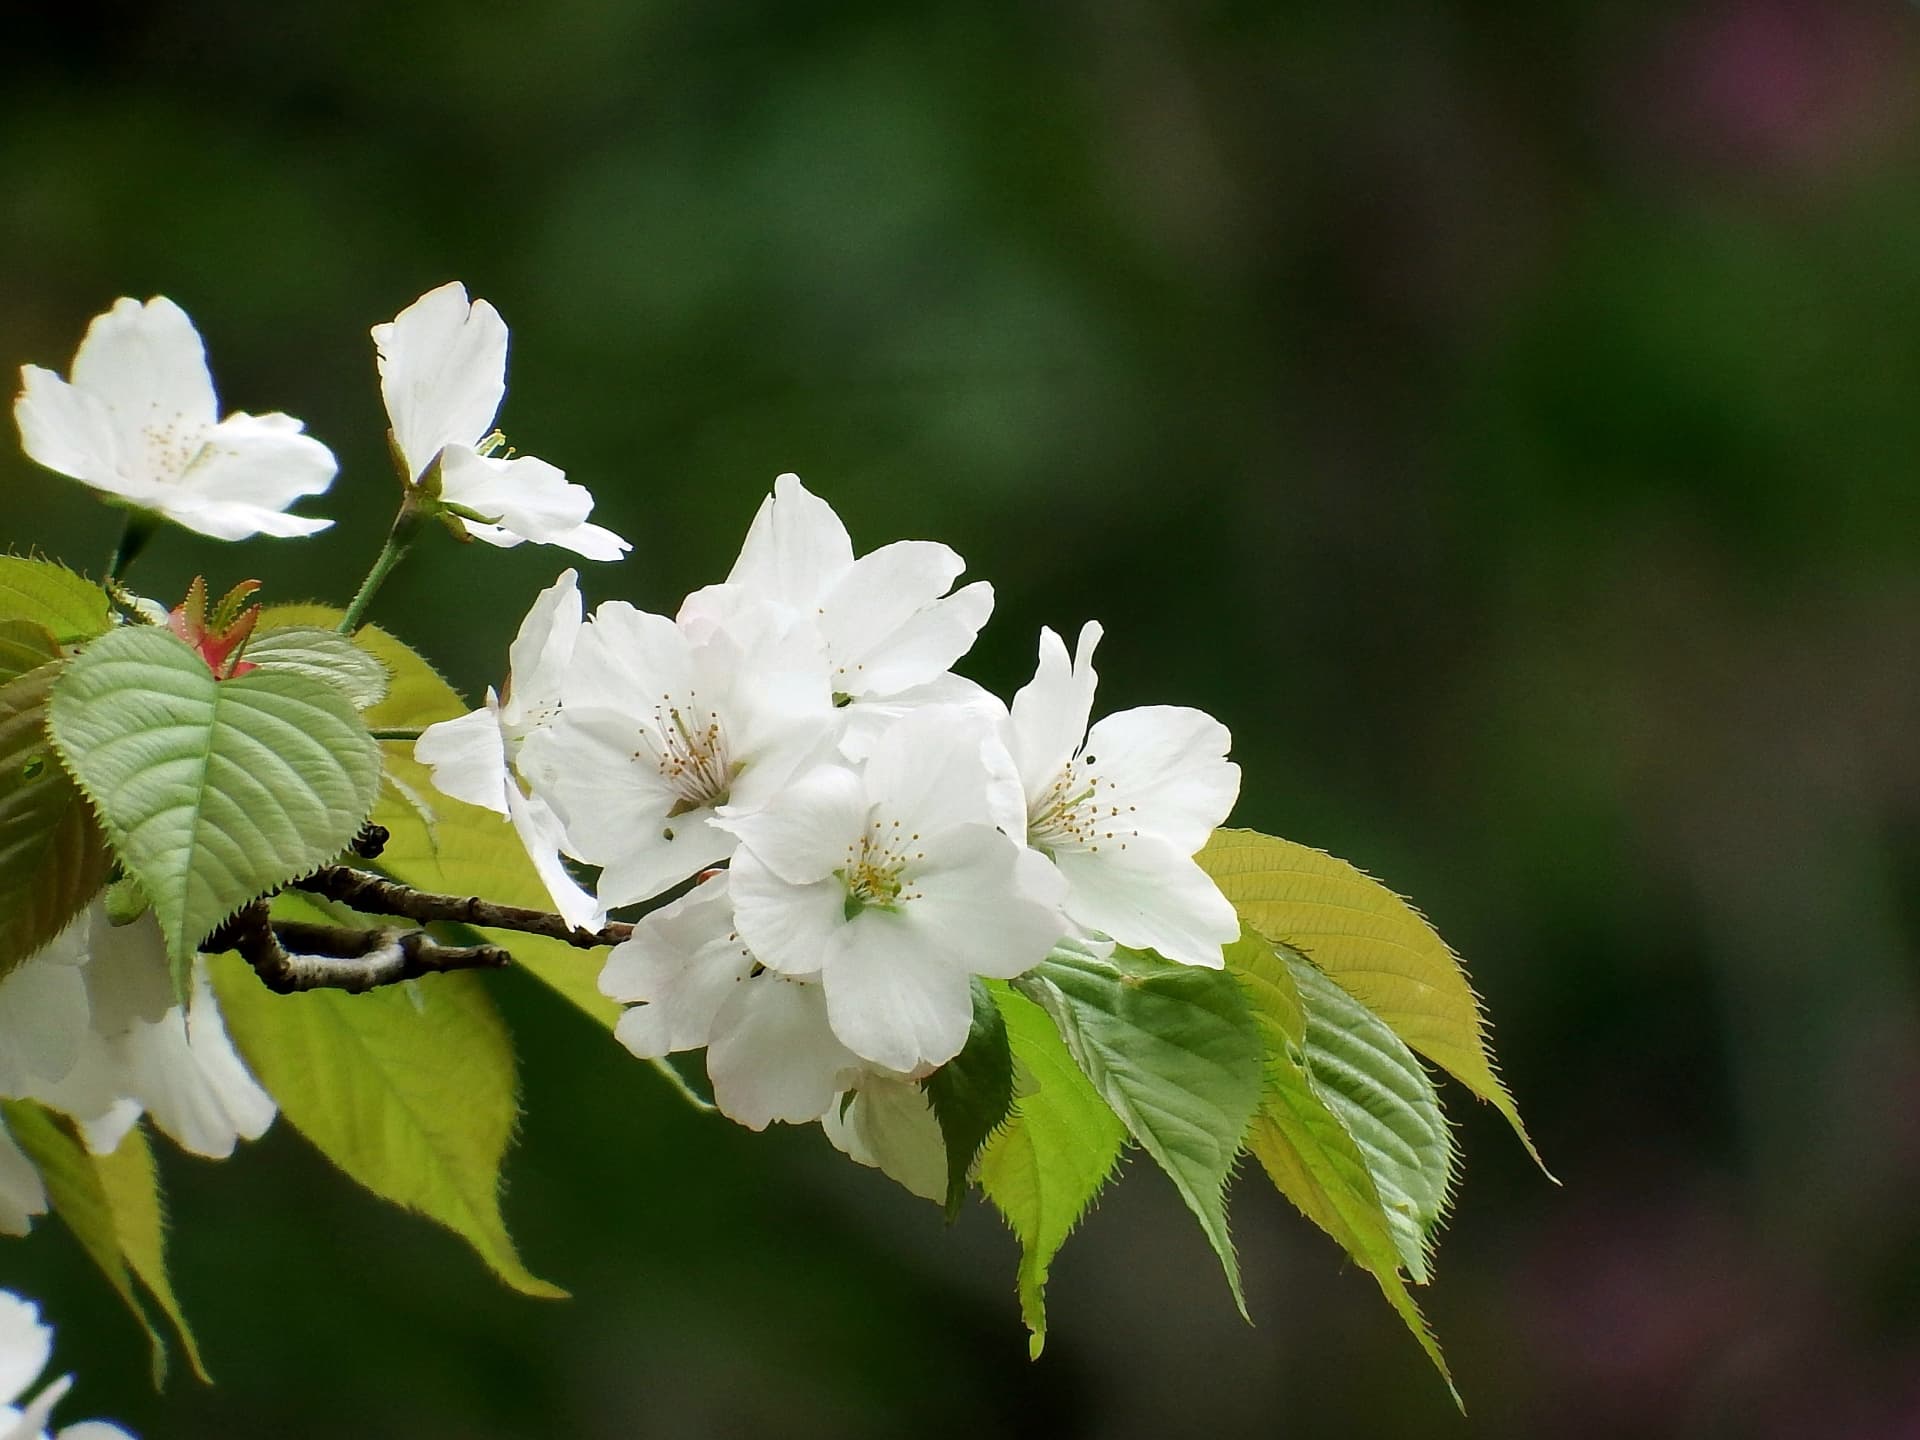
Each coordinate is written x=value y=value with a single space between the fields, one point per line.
x=688 y=746
x=875 y=872
x=172 y=445
x=1073 y=815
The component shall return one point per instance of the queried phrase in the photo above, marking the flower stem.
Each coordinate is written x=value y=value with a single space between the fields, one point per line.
x=135 y=531
x=399 y=540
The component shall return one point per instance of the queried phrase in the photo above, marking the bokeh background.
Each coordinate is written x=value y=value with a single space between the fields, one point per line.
x=1504 y=417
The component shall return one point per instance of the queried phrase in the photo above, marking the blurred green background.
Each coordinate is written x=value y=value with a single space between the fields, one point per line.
x=1503 y=417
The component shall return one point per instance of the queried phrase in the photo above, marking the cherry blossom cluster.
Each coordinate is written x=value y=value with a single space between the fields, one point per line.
x=89 y=1026
x=866 y=831
x=26 y=1345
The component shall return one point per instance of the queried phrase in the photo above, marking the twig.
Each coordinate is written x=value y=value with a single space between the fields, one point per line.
x=375 y=895
x=332 y=957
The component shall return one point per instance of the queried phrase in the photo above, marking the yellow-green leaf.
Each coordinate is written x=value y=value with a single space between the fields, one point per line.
x=1045 y=1165
x=408 y=1089
x=1372 y=942
x=132 y=1187
x=78 y=1197
x=50 y=595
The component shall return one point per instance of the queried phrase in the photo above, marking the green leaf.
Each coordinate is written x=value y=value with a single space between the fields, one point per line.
x=1375 y=1087
x=972 y=1093
x=1373 y=943
x=457 y=848
x=1175 y=1051
x=213 y=792
x=408 y=1089
x=25 y=647
x=79 y=1198
x=53 y=858
x=322 y=655
x=132 y=1187
x=1306 y=1151
x=52 y=596
x=1053 y=1155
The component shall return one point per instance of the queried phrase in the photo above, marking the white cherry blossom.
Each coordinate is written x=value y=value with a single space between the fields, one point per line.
x=893 y=884
x=443 y=374
x=1121 y=809
x=660 y=725
x=473 y=757
x=26 y=1345
x=140 y=423
x=771 y=1055
x=885 y=619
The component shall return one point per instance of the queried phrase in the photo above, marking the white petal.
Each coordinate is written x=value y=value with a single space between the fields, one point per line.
x=66 y=429
x=795 y=548
x=33 y=1418
x=986 y=903
x=890 y=1125
x=540 y=655
x=1050 y=712
x=248 y=469
x=146 y=364
x=192 y=1082
x=1151 y=897
x=773 y=1054
x=43 y=1015
x=790 y=928
x=926 y=643
x=443 y=372
x=680 y=965
x=866 y=607
x=929 y=771
x=530 y=498
x=629 y=659
x=22 y=1196
x=890 y=1000
x=93 y=1430
x=655 y=860
x=1169 y=762
x=468 y=757
x=544 y=838
x=803 y=835
x=128 y=977
x=591 y=542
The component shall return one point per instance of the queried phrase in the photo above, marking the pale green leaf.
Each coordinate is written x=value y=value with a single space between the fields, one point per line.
x=408 y=1089
x=131 y=1185
x=455 y=848
x=78 y=1197
x=212 y=792
x=1306 y=1151
x=1046 y=1164
x=1375 y=1087
x=1175 y=1051
x=1377 y=946
x=53 y=858
x=972 y=1093
x=323 y=655
x=50 y=595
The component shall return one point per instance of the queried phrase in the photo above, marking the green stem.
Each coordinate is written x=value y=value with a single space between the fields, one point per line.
x=135 y=531
x=399 y=540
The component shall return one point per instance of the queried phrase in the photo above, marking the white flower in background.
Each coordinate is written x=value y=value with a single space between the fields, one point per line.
x=139 y=422
x=661 y=724
x=771 y=1054
x=1120 y=809
x=894 y=885
x=885 y=619
x=26 y=1345
x=473 y=757
x=125 y=1049
x=887 y=1123
x=22 y=1196
x=443 y=374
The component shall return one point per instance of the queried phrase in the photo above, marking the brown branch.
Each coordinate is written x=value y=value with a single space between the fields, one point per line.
x=293 y=955
x=375 y=895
